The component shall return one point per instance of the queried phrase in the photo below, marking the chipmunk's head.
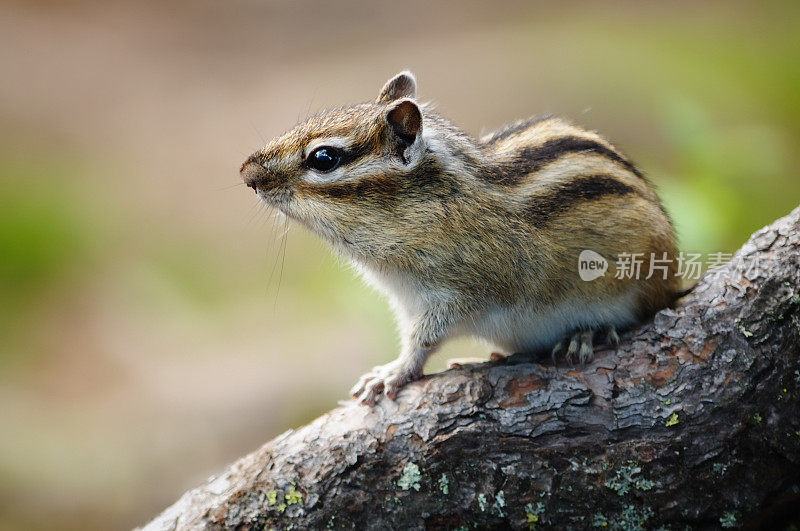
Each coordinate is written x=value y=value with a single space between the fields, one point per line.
x=363 y=177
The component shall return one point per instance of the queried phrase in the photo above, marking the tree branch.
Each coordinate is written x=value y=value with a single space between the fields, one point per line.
x=692 y=421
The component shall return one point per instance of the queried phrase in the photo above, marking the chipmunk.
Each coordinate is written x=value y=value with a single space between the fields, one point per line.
x=472 y=237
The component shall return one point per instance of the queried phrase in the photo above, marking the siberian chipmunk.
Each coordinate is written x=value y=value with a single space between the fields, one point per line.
x=472 y=237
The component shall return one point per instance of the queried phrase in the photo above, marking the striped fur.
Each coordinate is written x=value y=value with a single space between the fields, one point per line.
x=472 y=237
x=534 y=158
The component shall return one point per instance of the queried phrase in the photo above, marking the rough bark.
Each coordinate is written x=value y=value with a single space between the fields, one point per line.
x=694 y=421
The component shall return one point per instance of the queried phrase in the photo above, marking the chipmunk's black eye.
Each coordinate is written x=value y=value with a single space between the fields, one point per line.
x=324 y=159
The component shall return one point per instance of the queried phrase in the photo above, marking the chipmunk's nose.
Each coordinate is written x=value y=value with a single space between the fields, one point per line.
x=253 y=173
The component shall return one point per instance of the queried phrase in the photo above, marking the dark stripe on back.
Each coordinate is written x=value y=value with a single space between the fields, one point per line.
x=513 y=129
x=563 y=197
x=534 y=158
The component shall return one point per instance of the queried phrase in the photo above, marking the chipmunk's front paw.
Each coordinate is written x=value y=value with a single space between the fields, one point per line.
x=388 y=379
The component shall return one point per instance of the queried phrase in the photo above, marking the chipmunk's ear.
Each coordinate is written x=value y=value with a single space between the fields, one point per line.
x=405 y=118
x=405 y=121
x=403 y=85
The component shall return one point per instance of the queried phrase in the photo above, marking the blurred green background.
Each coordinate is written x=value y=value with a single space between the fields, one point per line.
x=155 y=324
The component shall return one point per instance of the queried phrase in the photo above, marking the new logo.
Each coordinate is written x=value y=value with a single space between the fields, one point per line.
x=591 y=265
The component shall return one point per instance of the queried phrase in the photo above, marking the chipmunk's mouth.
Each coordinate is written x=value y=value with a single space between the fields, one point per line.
x=280 y=199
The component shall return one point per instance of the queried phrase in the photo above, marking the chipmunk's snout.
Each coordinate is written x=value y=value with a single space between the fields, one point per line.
x=253 y=173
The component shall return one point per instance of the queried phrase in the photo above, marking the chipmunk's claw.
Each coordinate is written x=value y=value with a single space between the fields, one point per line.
x=577 y=345
x=581 y=345
x=384 y=379
x=612 y=337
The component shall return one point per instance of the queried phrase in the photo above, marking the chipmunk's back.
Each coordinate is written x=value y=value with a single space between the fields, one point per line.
x=572 y=191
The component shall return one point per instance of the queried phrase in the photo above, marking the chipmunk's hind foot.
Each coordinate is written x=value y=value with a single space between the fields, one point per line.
x=580 y=345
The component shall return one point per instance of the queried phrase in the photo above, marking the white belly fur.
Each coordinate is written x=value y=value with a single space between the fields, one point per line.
x=519 y=328
x=526 y=329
